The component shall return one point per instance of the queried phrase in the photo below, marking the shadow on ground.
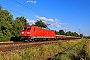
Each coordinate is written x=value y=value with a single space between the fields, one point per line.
x=16 y=39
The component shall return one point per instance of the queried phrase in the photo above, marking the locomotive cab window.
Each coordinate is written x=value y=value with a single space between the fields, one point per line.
x=34 y=29
x=26 y=28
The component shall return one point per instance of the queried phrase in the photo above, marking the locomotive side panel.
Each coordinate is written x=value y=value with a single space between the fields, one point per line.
x=42 y=33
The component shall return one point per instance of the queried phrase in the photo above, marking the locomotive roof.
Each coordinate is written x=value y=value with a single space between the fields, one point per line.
x=37 y=26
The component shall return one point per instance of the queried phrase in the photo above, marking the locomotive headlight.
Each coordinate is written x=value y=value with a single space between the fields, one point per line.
x=28 y=32
x=22 y=32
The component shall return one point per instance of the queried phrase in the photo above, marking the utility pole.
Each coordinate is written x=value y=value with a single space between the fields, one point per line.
x=79 y=32
x=65 y=30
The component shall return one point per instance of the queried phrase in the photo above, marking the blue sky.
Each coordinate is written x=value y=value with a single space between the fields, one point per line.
x=70 y=15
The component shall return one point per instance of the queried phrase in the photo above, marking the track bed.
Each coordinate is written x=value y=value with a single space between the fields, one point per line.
x=10 y=46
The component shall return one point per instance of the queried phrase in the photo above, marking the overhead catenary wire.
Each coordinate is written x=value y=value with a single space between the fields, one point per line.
x=17 y=12
x=29 y=8
x=25 y=7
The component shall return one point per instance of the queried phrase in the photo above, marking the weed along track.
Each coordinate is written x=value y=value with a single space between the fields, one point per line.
x=70 y=53
x=4 y=47
x=36 y=50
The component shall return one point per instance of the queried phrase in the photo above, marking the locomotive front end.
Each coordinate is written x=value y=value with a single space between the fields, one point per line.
x=25 y=34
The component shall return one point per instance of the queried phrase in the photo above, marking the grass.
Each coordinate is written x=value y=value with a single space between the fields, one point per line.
x=70 y=53
x=86 y=50
x=43 y=52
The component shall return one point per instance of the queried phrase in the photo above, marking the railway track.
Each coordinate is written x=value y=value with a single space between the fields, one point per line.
x=11 y=46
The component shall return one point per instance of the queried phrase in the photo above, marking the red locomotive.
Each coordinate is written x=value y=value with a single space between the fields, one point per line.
x=35 y=33
x=30 y=33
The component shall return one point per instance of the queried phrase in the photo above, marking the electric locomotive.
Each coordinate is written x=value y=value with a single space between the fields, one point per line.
x=33 y=33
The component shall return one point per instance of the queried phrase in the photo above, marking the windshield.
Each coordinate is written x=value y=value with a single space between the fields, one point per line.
x=26 y=28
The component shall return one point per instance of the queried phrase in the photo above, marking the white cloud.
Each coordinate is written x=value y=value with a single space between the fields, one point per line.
x=45 y=19
x=67 y=28
x=31 y=1
x=50 y=21
x=42 y=18
x=31 y=21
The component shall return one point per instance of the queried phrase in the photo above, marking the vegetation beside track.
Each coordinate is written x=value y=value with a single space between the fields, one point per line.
x=70 y=53
x=44 y=51
x=86 y=51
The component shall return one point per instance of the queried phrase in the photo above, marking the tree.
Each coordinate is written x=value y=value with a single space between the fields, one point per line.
x=88 y=37
x=57 y=33
x=22 y=20
x=0 y=7
x=18 y=25
x=67 y=34
x=61 y=32
x=10 y=27
x=5 y=25
x=71 y=34
x=39 y=23
x=75 y=34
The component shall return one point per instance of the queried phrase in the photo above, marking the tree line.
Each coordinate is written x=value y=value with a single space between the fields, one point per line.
x=69 y=33
x=10 y=27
